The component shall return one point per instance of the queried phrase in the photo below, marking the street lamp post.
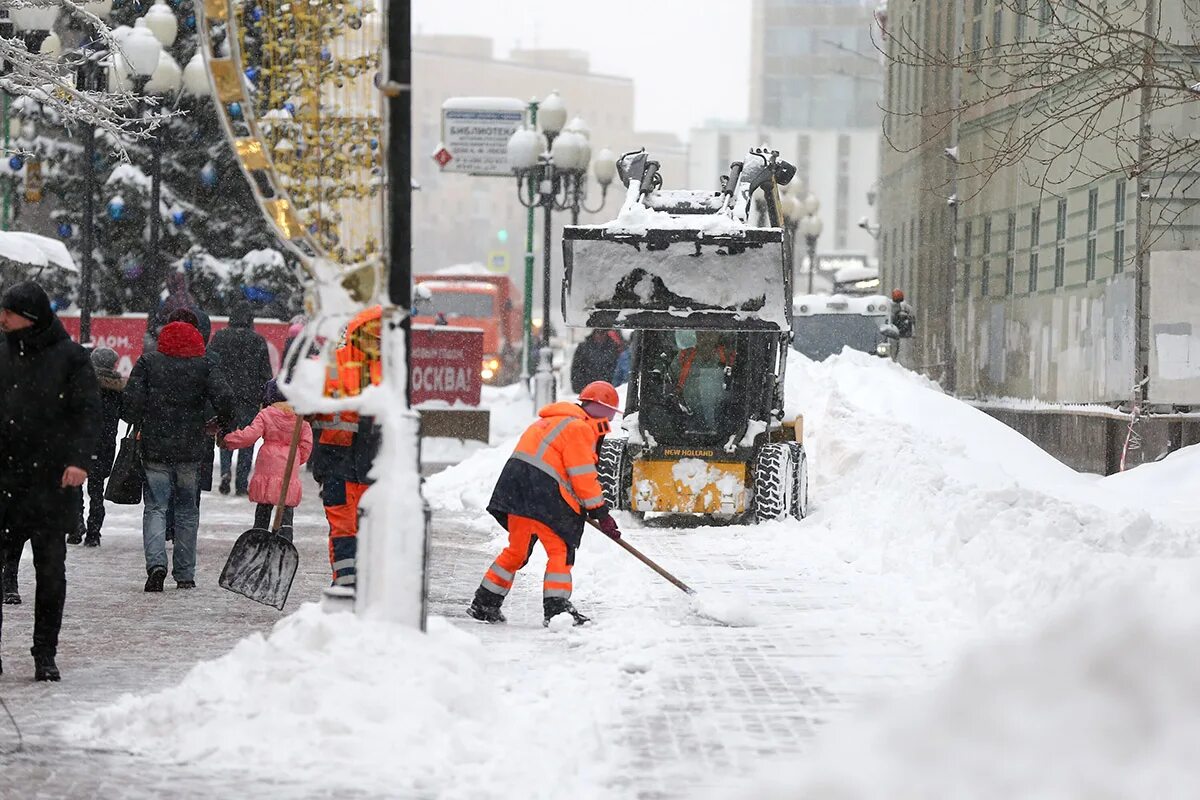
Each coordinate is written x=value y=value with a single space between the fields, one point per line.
x=551 y=168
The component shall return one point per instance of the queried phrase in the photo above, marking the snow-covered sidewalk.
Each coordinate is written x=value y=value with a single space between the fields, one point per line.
x=936 y=533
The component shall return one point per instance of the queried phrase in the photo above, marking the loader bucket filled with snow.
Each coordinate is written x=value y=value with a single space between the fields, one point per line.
x=680 y=260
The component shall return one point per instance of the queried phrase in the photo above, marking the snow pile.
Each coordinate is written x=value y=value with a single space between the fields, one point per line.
x=1103 y=702
x=327 y=696
x=910 y=482
x=637 y=218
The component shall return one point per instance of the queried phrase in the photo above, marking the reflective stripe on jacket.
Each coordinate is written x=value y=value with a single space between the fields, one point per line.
x=551 y=476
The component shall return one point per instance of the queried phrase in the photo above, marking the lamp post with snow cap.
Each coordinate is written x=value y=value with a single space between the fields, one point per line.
x=551 y=167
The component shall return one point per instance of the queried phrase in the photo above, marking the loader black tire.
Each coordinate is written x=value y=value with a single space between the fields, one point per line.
x=799 y=498
x=780 y=481
x=611 y=470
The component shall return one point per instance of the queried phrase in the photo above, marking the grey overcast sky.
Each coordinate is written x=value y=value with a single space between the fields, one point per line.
x=689 y=59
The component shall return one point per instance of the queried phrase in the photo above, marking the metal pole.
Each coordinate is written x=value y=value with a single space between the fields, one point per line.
x=156 y=269
x=1141 y=325
x=7 y=211
x=543 y=380
x=812 y=260
x=527 y=364
x=89 y=234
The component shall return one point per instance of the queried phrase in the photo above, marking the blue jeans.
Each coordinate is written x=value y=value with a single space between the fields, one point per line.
x=164 y=482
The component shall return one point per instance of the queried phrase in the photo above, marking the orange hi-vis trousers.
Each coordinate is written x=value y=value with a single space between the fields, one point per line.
x=341 y=510
x=523 y=534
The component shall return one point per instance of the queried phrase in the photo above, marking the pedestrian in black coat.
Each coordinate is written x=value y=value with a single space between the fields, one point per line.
x=596 y=359
x=112 y=392
x=170 y=395
x=244 y=361
x=49 y=407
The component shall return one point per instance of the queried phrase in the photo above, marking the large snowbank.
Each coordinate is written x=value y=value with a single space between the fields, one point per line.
x=334 y=701
x=908 y=481
x=1103 y=702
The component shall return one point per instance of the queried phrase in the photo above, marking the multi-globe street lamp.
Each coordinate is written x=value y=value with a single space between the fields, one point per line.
x=551 y=165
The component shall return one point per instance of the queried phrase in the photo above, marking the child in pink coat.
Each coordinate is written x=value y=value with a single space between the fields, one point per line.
x=274 y=425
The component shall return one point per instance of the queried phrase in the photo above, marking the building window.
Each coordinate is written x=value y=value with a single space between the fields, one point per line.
x=1119 y=229
x=985 y=273
x=1093 y=213
x=1060 y=244
x=1035 y=237
x=977 y=28
x=1020 y=9
x=998 y=25
x=1010 y=261
x=1045 y=14
x=966 y=259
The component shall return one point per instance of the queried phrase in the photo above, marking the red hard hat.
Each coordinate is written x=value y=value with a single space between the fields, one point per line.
x=601 y=392
x=898 y=295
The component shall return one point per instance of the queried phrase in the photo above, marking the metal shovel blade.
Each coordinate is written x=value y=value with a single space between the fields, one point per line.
x=261 y=566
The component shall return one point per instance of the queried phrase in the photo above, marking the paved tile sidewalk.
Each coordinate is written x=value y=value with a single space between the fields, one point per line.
x=718 y=702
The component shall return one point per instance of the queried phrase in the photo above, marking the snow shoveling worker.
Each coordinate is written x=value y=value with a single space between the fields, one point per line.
x=547 y=488
x=347 y=442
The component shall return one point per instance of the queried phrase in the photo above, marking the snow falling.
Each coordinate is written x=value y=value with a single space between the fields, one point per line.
x=952 y=579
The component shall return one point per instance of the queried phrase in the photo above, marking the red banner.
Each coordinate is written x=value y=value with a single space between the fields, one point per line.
x=445 y=364
x=125 y=334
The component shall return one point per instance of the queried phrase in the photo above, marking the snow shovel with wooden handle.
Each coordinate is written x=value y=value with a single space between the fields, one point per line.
x=262 y=564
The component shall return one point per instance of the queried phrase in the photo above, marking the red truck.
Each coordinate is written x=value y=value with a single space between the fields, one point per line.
x=487 y=302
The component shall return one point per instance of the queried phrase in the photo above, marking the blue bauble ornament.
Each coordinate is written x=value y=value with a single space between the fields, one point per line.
x=64 y=230
x=208 y=175
x=178 y=217
x=257 y=14
x=290 y=107
x=15 y=163
x=325 y=54
x=374 y=144
x=313 y=228
x=235 y=110
x=190 y=22
x=188 y=264
x=252 y=74
x=116 y=208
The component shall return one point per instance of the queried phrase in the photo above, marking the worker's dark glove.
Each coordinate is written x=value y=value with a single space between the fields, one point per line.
x=608 y=526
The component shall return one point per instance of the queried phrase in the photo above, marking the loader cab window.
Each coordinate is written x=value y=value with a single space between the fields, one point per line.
x=695 y=385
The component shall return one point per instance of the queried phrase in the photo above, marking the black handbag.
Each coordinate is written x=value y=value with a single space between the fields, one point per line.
x=124 y=485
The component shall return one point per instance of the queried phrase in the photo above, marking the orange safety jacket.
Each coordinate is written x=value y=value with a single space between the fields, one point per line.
x=551 y=476
x=688 y=356
x=358 y=365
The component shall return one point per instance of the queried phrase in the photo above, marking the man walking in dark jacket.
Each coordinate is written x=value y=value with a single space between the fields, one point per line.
x=241 y=357
x=168 y=396
x=596 y=359
x=48 y=410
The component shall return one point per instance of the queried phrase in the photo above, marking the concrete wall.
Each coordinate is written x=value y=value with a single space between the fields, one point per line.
x=1094 y=441
x=1062 y=346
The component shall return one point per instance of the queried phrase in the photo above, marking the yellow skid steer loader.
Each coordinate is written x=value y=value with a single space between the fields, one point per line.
x=708 y=294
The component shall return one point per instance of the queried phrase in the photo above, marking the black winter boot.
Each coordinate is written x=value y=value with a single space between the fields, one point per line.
x=44 y=668
x=91 y=540
x=225 y=481
x=75 y=537
x=486 y=607
x=12 y=597
x=553 y=606
x=155 y=578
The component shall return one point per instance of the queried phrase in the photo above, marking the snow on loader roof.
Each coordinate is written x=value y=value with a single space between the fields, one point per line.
x=681 y=259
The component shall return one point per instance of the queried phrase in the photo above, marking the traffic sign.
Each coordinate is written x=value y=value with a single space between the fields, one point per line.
x=498 y=262
x=475 y=134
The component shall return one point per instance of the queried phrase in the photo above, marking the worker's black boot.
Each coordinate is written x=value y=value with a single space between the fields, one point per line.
x=486 y=607
x=44 y=668
x=553 y=606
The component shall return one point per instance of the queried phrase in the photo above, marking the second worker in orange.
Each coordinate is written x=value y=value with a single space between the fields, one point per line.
x=548 y=487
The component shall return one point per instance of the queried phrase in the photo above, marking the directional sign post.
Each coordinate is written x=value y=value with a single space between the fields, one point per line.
x=475 y=134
